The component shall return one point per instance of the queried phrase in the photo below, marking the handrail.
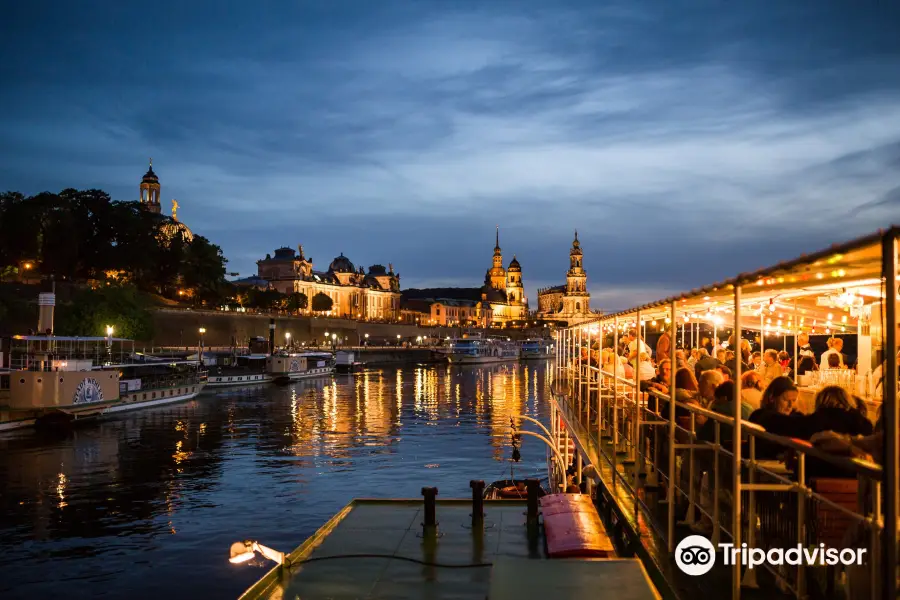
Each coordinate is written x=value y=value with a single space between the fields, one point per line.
x=864 y=467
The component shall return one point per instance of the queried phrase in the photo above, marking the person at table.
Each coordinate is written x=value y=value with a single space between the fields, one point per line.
x=663 y=375
x=771 y=368
x=612 y=364
x=806 y=365
x=645 y=368
x=704 y=363
x=756 y=361
x=635 y=346
x=835 y=411
x=751 y=389
x=706 y=386
x=834 y=360
x=835 y=345
x=776 y=414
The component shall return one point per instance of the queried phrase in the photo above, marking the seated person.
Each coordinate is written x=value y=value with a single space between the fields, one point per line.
x=776 y=415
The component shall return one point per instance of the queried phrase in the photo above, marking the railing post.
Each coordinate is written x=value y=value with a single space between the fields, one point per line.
x=891 y=417
x=736 y=500
x=636 y=439
x=670 y=488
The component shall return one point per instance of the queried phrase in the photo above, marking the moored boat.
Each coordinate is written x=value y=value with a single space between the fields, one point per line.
x=285 y=367
x=478 y=350
x=535 y=349
x=242 y=370
x=63 y=379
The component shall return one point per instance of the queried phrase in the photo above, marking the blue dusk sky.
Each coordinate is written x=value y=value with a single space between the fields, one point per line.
x=686 y=141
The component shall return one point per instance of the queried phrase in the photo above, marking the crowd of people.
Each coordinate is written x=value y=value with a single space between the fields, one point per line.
x=704 y=377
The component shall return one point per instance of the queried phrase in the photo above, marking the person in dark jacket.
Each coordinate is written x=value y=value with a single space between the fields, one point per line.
x=776 y=414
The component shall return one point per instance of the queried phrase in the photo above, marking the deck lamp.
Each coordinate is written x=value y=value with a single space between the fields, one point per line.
x=243 y=551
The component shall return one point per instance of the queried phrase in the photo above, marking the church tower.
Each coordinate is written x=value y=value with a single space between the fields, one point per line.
x=577 y=299
x=150 y=190
x=497 y=274
x=515 y=291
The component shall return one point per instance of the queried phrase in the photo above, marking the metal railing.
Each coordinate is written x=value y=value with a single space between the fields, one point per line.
x=693 y=476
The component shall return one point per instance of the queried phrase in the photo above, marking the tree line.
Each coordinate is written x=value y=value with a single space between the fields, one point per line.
x=83 y=235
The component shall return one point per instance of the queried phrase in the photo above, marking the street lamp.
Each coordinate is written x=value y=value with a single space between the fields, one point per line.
x=333 y=340
x=398 y=339
x=200 y=352
x=367 y=339
x=109 y=331
x=287 y=338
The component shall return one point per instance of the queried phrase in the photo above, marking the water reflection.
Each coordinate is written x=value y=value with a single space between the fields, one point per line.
x=148 y=504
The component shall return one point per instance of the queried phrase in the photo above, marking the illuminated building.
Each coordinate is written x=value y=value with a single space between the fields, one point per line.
x=355 y=294
x=569 y=303
x=503 y=290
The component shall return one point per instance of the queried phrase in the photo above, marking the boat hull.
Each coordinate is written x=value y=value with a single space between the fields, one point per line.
x=127 y=402
x=221 y=381
x=479 y=360
x=298 y=375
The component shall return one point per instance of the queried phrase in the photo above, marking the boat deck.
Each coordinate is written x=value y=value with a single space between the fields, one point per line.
x=504 y=559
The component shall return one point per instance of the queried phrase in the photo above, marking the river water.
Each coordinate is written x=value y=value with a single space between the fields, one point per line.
x=147 y=505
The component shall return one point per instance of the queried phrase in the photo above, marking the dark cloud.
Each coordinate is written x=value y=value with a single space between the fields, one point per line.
x=728 y=138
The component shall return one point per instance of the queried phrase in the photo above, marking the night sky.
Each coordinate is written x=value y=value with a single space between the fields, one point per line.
x=687 y=142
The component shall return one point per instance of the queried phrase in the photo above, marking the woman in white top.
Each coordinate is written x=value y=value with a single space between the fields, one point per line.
x=646 y=371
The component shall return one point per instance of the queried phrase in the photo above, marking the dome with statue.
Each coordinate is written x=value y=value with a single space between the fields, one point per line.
x=172 y=228
x=341 y=264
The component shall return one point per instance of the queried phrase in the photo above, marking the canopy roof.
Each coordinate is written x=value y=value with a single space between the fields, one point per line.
x=824 y=292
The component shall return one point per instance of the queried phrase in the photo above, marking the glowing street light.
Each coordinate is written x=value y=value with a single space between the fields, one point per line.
x=287 y=338
x=109 y=331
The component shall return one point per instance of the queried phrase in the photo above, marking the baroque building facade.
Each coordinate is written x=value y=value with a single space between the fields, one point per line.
x=355 y=293
x=503 y=291
x=569 y=303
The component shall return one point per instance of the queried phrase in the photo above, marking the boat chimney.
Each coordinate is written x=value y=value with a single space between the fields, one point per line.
x=271 y=336
x=46 y=306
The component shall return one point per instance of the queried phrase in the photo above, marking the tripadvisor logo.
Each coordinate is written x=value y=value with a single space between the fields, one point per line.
x=695 y=555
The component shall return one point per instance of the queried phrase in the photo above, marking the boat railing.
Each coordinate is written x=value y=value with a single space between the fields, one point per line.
x=804 y=497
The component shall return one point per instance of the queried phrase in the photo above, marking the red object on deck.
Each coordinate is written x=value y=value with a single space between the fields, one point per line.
x=573 y=528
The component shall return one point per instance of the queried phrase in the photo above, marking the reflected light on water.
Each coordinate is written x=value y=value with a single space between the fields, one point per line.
x=277 y=461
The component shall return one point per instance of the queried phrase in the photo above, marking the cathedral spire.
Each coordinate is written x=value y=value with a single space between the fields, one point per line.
x=497 y=244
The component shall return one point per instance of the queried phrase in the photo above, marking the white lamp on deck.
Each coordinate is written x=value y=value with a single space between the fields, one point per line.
x=246 y=550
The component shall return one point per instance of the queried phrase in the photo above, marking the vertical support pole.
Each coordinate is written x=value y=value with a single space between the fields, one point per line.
x=891 y=417
x=600 y=391
x=615 y=394
x=587 y=372
x=579 y=465
x=670 y=442
x=636 y=436
x=762 y=331
x=737 y=523
x=796 y=335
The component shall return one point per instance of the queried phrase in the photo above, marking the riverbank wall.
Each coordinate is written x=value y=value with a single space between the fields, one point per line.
x=180 y=328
